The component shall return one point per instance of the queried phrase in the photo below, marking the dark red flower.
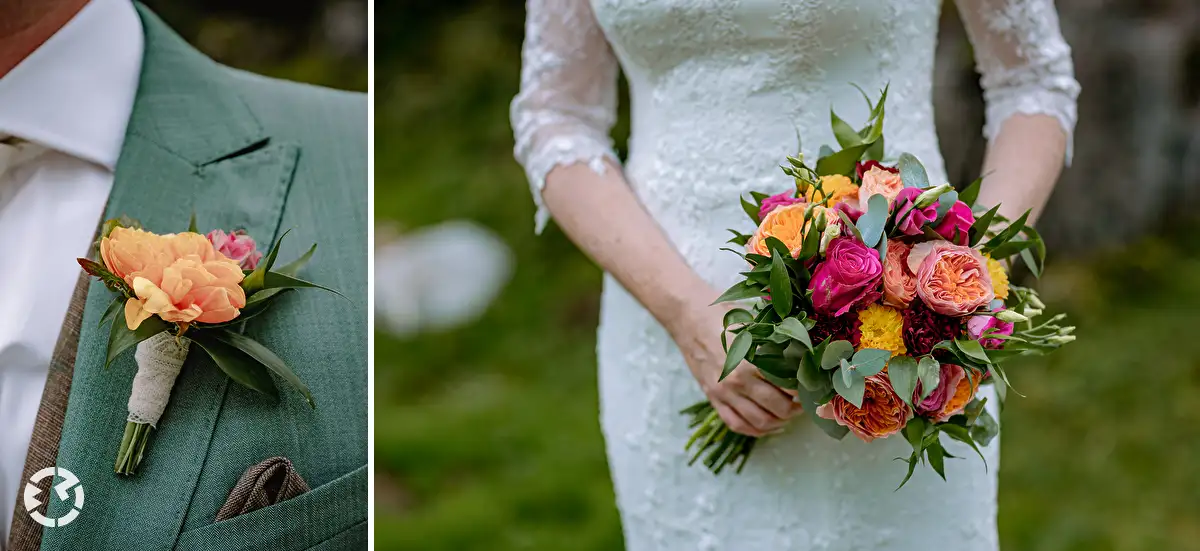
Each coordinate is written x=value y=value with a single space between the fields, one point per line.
x=862 y=168
x=845 y=327
x=924 y=328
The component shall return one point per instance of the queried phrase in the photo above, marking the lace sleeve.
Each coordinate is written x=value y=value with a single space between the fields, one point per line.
x=567 y=102
x=1024 y=62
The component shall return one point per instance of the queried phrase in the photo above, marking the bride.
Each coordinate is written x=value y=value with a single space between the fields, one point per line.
x=718 y=91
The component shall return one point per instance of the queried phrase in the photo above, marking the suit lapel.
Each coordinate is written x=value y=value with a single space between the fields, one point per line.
x=193 y=145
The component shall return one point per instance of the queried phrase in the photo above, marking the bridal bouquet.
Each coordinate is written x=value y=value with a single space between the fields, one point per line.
x=883 y=302
x=182 y=288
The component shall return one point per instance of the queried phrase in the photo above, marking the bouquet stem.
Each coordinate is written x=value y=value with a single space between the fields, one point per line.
x=133 y=447
x=720 y=446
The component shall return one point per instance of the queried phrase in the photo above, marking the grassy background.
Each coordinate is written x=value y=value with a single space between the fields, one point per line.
x=487 y=436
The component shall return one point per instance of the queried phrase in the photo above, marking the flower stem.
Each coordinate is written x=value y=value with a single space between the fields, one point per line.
x=133 y=447
x=719 y=446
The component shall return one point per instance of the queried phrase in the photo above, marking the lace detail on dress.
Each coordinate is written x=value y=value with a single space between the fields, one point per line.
x=1024 y=62
x=567 y=103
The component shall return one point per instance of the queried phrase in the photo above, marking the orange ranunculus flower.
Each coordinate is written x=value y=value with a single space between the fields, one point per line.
x=786 y=224
x=879 y=181
x=179 y=277
x=883 y=413
x=835 y=188
x=963 y=393
x=952 y=279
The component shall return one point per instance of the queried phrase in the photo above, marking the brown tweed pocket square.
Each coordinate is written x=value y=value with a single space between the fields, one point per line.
x=272 y=481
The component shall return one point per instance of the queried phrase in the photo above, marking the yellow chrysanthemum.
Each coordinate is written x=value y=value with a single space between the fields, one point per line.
x=882 y=328
x=835 y=188
x=999 y=278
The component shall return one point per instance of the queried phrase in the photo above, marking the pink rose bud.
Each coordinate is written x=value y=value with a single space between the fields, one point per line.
x=237 y=246
x=956 y=223
x=775 y=201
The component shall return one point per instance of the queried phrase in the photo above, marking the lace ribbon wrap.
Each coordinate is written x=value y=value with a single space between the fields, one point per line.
x=159 y=360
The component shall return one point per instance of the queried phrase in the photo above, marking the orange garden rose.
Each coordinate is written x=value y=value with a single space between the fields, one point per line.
x=879 y=181
x=899 y=283
x=883 y=413
x=963 y=394
x=786 y=224
x=179 y=277
x=835 y=188
x=952 y=279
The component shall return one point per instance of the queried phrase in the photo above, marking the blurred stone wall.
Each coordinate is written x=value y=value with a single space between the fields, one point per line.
x=1137 y=145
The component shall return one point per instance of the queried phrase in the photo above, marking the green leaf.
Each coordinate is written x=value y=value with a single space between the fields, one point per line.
x=914 y=433
x=120 y=338
x=936 y=455
x=737 y=352
x=912 y=172
x=970 y=193
x=842 y=162
x=109 y=279
x=870 y=225
x=929 y=372
x=781 y=286
x=738 y=315
x=845 y=134
x=852 y=391
x=811 y=375
x=962 y=435
x=877 y=111
x=1008 y=249
x=781 y=382
x=293 y=268
x=846 y=223
x=866 y=98
x=739 y=291
x=117 y=305
x=256 y=281
x=973 y=350
x=981 y=225
x=751 y=210
x=823 y=152
x=192 y=224
x=240 y=366
x=875 y=152
x=985 y=428
x=945 y=201
x=902 y=372
x=276 y=280
x=793 y=329
x=1011 y=231
x=870 y=361
x=263 y=355
x=738 y=238
x=835 y=352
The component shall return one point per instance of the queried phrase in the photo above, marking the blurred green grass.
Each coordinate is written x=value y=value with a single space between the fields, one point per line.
x=487 y=436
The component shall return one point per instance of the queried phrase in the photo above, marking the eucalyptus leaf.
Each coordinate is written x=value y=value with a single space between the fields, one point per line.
x=267 y=358
x=869 y=361
x=912 y=172
x=870 y=225
x=835 y=352
x=902 y=372
x=945 y=202
x=121 y=338
x=853 y=391
x=929 y=373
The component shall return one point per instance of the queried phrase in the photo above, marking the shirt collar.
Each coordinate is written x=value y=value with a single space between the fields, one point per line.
x=74 y=94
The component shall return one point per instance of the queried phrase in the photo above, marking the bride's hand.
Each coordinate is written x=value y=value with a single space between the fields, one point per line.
x=745 y=401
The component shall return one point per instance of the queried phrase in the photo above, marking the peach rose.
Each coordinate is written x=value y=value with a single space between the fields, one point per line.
x=952 y=279
x=883 y=413
x=882 y=182
x=786 y=224
x=180 y=277
x=899 y=283
x=963 y=393
x=835 y=188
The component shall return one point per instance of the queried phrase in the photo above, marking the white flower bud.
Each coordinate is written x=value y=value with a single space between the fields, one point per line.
x=1061 y=339
x=1032 y=312
x=1035 y=301
x=832 y=231
x=930 y=196
x=1010 y=316
x=1066 y=330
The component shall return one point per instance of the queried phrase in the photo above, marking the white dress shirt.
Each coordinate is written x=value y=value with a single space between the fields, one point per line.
x=70 y=100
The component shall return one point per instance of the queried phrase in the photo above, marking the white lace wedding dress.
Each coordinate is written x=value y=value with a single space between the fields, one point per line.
x=719 y=89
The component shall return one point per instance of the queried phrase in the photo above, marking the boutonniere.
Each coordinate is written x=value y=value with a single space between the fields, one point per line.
x=183 y=289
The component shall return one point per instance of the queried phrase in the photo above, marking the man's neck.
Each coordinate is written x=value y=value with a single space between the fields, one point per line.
x=26 y=24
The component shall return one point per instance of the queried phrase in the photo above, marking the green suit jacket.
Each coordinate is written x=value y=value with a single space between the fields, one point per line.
x=241 y=151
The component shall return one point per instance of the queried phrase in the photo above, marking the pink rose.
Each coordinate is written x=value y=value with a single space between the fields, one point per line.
x=878 y=181
x=861 y=168
x=850 y=275
x=948 y=379
x=899 y=283
x=952 y=279
x=236 y=246
x=851 y=211
x=775 y=201
x=978 y=325
x=910 y=219
x=956 y=223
